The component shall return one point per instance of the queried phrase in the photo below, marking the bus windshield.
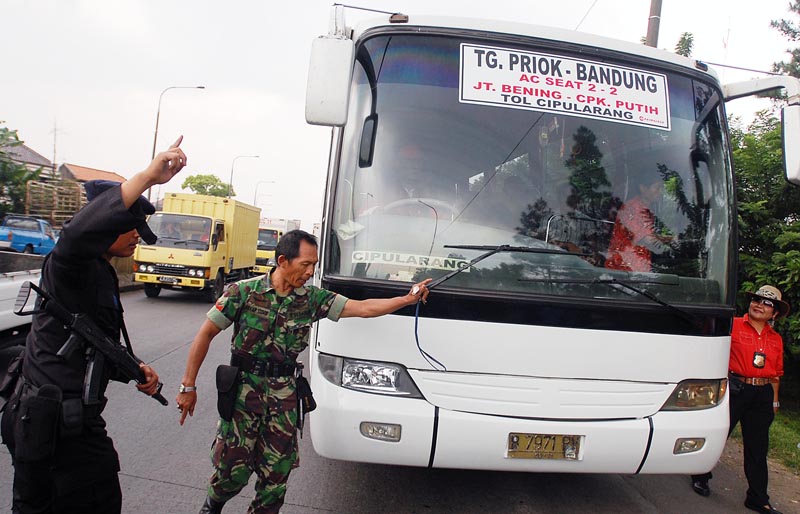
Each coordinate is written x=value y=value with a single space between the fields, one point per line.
x=429 y=165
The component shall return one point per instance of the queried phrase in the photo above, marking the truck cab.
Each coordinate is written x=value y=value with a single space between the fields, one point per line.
x=265 y=251
x=203 y=243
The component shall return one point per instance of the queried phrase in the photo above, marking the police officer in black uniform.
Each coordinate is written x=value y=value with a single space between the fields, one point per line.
x=64 y=461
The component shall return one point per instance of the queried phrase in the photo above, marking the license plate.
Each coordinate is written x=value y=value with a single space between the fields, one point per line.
x=543 y=446
x=168 y=280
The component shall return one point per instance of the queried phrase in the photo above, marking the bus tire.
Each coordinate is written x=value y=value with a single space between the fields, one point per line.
x=152 y=290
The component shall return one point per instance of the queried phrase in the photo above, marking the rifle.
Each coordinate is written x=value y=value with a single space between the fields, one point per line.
x=100 y=347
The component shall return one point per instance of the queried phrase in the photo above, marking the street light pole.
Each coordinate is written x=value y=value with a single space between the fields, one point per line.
x=158 y=115
x=230 y=182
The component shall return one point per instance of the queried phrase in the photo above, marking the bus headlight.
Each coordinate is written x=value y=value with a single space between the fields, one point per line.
x=368 y=376
x=696 y=394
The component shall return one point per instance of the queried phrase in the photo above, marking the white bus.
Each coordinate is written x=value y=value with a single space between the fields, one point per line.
x=504 y=161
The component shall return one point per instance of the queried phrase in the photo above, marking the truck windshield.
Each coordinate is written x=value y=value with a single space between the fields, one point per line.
x=267 y=239
x=181 y=231
x=439 y=152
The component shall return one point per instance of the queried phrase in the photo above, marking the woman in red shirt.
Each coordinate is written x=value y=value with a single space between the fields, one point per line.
x=755 y=368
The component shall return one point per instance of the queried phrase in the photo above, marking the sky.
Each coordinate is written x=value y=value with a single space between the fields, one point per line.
x=82 y=79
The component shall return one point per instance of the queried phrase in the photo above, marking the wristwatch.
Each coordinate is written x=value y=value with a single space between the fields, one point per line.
x=187 y=389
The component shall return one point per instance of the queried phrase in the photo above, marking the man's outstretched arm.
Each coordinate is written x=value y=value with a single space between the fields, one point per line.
x=374 y=307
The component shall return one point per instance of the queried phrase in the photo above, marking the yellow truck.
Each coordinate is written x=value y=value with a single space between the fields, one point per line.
x=203 y=243
x=270 y=231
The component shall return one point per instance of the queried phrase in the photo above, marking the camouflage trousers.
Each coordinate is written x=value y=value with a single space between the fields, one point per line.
x=254 y=443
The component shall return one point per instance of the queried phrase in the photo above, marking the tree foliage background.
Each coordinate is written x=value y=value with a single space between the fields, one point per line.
x=769 y=232
x=13 y=176
x=769 y=212
x=209 y=184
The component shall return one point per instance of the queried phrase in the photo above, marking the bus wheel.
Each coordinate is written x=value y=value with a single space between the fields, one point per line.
x=152 y=290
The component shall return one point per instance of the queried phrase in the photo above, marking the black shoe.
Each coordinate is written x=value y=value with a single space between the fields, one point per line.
x=211 y=507
x=764 y=509
x=701 y=487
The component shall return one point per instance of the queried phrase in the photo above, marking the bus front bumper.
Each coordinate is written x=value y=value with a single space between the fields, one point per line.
x=441 y=438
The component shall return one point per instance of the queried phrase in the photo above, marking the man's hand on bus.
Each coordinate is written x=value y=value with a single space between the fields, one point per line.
x=420 y=291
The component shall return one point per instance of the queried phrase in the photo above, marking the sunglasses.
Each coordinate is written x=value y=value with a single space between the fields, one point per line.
x=763 y=301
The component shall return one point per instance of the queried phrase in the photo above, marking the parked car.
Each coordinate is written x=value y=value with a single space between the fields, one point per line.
x=26 y=234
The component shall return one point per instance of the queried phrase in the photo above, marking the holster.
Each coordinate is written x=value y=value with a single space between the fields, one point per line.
x=36 y=423
x=227 y=390
x=735 y=386
x=305 y=398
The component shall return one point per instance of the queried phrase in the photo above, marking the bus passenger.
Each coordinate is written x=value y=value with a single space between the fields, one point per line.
x=636 y=234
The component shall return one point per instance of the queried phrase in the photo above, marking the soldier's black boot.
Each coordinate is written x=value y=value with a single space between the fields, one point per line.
x=211 y=507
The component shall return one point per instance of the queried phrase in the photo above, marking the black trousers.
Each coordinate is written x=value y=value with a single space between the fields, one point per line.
x=80 y=478
x=752 y=407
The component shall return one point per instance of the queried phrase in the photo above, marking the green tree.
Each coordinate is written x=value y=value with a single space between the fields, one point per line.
x=13 y=176
x=792 y=32
x=769 y=228
x=210 y=185
x=685 y=44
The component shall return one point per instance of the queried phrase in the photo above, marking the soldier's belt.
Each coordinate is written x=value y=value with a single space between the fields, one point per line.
x=263 y=368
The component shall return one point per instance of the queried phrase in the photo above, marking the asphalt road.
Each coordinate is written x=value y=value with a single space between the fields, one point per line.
x=165 y=466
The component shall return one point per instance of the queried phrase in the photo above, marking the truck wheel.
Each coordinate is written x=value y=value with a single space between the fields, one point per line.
x=28 y=249
x=152 y=290
x=218 y=288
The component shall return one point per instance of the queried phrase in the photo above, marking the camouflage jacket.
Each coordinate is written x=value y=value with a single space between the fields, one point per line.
x=273 y=327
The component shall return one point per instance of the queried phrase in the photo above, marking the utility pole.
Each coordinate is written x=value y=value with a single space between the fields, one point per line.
x=653 y=23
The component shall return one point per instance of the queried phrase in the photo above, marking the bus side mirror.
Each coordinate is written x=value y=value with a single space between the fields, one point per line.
x=790 y=117
x=214 y=240
x=329 y=75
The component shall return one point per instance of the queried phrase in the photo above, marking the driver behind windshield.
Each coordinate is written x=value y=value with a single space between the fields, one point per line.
x=172 y=231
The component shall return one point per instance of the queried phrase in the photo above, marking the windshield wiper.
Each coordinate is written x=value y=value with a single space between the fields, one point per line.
x=187 y=241
x=491 y=250
x=684 y=315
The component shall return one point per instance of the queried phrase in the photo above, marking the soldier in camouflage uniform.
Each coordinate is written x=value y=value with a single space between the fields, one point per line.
x=272 y=317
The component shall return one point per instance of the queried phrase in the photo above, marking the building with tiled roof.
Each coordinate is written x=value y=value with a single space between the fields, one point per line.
x=31 y=159
x=55 y=196
x=84 y=174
